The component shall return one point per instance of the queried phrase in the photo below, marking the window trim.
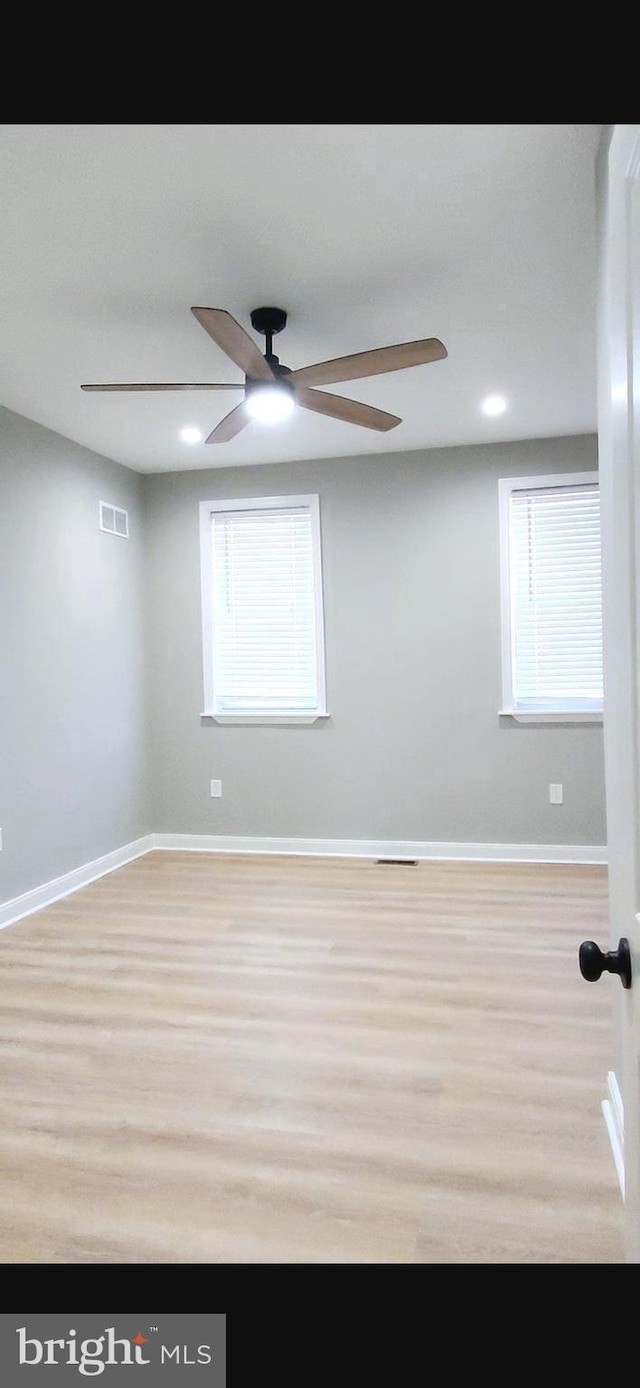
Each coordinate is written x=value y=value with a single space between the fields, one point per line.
x=506 y=486
x=258 y=503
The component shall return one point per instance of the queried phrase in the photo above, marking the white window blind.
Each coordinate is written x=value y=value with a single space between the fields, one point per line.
x=554 y=609
x=265 y=609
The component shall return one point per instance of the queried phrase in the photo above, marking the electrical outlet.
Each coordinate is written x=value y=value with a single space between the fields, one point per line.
x=555 y=793
x=216 y=789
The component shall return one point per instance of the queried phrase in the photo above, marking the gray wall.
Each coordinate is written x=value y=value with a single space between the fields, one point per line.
x=72 y=728
x=414 y=748
x=98 y=747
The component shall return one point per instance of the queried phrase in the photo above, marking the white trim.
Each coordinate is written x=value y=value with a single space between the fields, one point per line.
x=550 y=717
x=506 y=487
x=35 y=900
x=613 y=1112
x=39 y=897
x=286 y=718
x=504 y=492
x=384 y=848
x=206 y=603
x=311 y=503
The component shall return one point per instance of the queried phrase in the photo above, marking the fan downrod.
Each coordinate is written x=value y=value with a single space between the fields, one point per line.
x=269 y=321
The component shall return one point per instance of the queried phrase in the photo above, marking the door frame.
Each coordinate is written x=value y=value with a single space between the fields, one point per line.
x=618 y=359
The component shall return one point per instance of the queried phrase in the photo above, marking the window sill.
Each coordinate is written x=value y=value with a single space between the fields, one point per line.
x=565 y=717
x=285 y=719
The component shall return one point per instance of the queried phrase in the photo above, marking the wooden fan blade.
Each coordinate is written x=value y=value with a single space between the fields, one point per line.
x=168 y=385
x=374 y=363
x=350 y=410
x=233 y=340
x=229 y=426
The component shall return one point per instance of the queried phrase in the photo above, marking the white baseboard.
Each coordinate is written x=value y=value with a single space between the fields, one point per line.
x=49 y=892
x=35 y=900
x=385 y=848
x=613 y=1112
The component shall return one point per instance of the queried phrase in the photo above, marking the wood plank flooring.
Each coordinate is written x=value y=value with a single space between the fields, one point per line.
x=247 y=1059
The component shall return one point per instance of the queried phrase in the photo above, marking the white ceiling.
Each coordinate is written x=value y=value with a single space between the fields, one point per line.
x=367 y=235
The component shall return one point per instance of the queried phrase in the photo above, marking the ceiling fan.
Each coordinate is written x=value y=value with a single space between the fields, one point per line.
x=271 y=391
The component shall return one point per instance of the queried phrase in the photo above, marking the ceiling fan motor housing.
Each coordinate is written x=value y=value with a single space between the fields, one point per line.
x=283 y=384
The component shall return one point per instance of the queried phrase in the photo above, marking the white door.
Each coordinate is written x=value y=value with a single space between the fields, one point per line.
x=618 y=187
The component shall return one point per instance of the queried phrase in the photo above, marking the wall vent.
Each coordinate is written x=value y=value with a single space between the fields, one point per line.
x=114 y=520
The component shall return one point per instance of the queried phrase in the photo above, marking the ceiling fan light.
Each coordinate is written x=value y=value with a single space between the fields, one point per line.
x=269 y=404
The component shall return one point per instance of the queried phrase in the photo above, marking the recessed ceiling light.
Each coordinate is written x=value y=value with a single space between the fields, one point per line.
x=494 y=404
x=190 y=434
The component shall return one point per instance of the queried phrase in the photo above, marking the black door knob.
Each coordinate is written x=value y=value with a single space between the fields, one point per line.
x=593 y=963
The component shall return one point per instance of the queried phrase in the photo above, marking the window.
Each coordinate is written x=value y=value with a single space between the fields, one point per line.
x=263 y=633
x=551 y=598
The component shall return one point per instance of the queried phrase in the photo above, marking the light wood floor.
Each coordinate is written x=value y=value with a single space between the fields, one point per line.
x=243 y=1059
